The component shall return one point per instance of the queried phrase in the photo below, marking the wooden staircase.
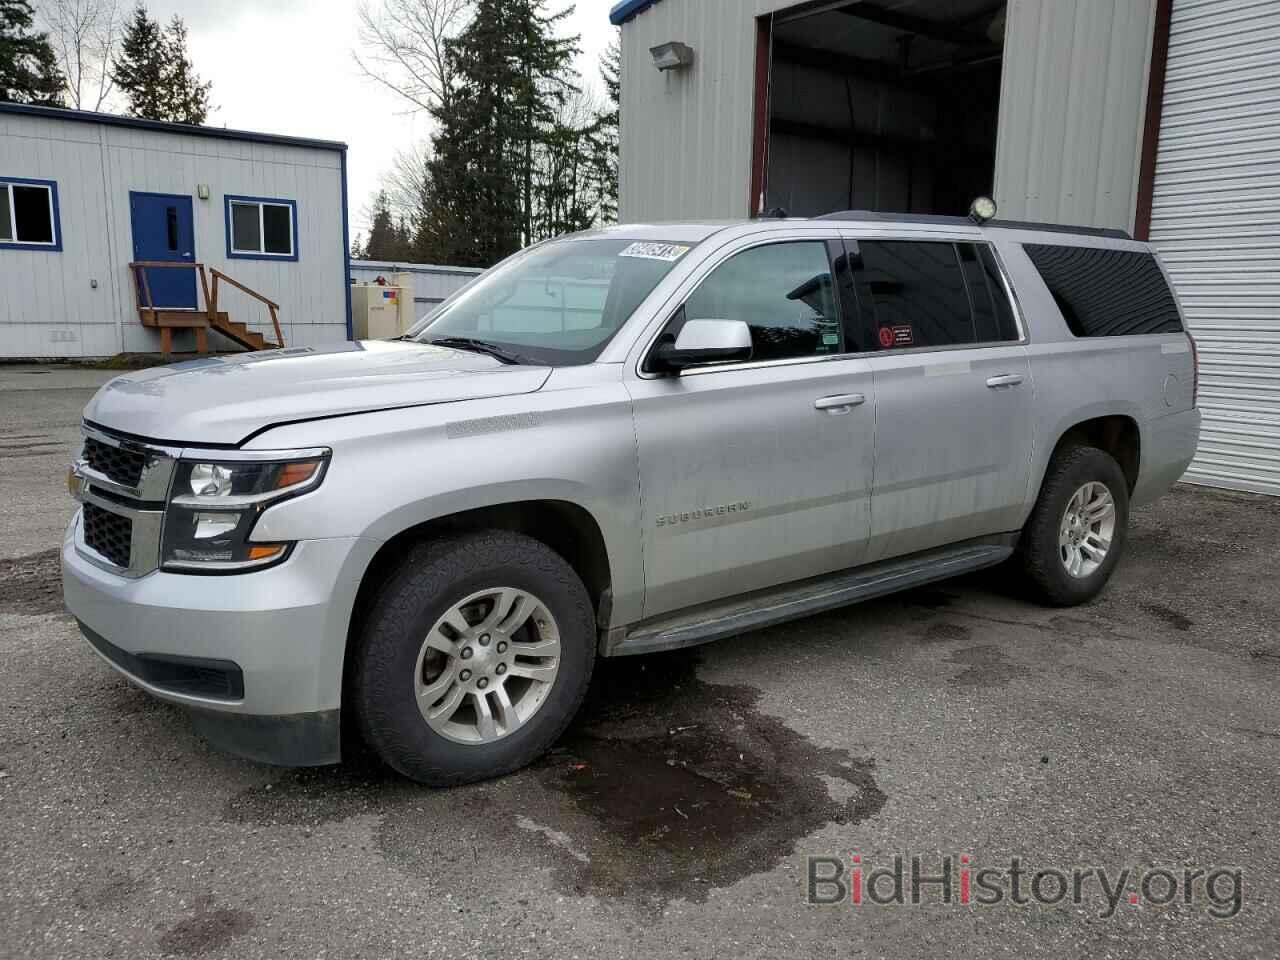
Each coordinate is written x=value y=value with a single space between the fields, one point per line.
x=201 y=321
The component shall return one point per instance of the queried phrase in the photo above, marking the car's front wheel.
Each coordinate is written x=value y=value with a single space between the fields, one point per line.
x=1077 y=529
x=473 y=658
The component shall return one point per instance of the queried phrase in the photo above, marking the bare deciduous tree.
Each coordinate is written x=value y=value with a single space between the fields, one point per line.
x=405 y=182
x=84 y=35
x=404 y=46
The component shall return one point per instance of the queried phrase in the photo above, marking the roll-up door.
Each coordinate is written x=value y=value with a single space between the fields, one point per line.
x=1216 y=222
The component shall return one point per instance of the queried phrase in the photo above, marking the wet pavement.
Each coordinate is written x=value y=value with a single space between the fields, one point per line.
x=677 y=815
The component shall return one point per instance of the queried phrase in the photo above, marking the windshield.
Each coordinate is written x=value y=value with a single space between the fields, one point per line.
x=557 y=303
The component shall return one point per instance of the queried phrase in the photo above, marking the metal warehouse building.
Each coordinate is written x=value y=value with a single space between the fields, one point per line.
x=1160 y=117
x=245 y=232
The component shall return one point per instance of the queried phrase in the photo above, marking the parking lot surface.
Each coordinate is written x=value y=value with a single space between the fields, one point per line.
x=678 y=815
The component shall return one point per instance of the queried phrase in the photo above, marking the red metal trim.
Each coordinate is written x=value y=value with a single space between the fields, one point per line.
x=1151 y=126
x=760 y=122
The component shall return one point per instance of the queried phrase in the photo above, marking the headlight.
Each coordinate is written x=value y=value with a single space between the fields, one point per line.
x=214 y=505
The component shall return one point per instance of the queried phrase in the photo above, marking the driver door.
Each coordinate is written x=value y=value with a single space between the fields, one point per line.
x=757 y=473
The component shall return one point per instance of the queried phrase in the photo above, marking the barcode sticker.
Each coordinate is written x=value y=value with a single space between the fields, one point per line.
x=670 y=252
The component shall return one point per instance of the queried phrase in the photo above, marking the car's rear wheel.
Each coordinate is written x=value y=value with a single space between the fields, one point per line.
x=473 y=658
x=1076 y=532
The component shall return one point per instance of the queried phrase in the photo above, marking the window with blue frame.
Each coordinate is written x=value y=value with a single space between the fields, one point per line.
x=262 y=228
x=29 y=214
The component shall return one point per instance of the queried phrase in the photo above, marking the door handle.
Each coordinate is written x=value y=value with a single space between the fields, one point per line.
x=1004 y=380
x=840 y=403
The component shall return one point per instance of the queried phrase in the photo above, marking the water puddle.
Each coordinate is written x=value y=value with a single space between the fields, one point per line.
x=665 y=786
x=689 y=786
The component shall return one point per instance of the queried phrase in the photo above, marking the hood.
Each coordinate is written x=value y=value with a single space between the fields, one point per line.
x=222 y=400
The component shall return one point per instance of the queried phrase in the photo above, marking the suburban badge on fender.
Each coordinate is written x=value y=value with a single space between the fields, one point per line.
x=671 y=519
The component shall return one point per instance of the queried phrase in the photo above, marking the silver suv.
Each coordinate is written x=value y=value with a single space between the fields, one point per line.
x=628 y=440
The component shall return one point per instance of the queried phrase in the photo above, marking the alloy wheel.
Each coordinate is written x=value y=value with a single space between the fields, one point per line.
x=487 y=665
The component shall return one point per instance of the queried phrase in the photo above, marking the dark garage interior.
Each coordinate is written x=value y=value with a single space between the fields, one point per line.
x=890 y=106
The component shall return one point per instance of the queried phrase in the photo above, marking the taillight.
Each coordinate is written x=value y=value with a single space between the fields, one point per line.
x=1195 y=369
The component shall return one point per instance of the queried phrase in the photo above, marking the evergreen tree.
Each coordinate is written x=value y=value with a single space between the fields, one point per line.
x=139 y=69
x=605 y=142
x=188 y=96
x=156 y=74
x=389 y=239
x=513 y=78
x=28 y=70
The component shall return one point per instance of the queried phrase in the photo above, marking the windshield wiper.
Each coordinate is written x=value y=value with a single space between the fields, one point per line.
x=478 y=346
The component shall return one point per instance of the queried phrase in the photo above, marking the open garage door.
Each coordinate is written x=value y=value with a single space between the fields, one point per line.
x=889 y=106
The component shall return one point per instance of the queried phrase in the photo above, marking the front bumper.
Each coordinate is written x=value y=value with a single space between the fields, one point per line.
x=257 y=656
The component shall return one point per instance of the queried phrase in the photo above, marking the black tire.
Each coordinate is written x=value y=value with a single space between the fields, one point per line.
x=433 y=576
x=1046 y=576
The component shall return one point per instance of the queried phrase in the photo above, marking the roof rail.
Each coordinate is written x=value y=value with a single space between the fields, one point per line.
x=945 y=221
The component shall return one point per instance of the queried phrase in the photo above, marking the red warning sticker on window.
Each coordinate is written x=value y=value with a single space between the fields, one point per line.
x=899 y=336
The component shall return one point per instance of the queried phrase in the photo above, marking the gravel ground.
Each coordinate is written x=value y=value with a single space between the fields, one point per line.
x=677 y=816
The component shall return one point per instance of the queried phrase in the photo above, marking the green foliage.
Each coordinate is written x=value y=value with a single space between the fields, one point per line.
x=605 y=144
x=520 y=152
x=155 y=73
x=512 y=74
x=389 y=239
x=28 y=70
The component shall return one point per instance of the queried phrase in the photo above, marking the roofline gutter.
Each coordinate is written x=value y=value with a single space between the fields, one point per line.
x=625 y=10
x=161 y=126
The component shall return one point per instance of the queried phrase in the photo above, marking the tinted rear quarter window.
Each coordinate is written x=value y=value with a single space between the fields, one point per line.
x=1106 y=293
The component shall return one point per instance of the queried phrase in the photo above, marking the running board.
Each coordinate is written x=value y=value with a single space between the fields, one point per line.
x=776 y=605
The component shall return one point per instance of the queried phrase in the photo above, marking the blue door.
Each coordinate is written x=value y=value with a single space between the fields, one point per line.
x=163 y=229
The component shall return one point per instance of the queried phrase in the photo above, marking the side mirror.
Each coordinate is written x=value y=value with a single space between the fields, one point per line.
x=704 y=341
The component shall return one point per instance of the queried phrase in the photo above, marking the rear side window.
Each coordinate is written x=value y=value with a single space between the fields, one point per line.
x=913 y=294
x=1106 y=293
x=928 y=294
x=992 y=316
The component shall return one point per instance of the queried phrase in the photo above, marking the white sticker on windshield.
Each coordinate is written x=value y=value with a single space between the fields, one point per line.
x=670 y=252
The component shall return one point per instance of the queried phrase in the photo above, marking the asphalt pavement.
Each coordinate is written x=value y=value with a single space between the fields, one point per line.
x=1129 y=748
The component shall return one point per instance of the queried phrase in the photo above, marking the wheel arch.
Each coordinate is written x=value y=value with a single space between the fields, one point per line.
x=564 y=525
x=1117 y=434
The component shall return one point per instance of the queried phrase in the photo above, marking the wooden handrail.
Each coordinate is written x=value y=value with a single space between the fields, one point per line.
x=219 y=275
x=144 y=302
x=139 y=268
x=272 y=306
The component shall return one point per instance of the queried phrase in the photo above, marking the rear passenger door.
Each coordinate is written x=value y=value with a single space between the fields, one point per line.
x=953 y=392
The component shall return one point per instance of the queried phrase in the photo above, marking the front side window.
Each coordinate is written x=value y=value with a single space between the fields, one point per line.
x=29 y=214
x=1106 y=293
x=783 y=292
x=262 y=228
x=557 y=303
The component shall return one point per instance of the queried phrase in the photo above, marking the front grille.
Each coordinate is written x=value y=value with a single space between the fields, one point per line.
x=108 y=534
x=122 y=466
x=197 y=676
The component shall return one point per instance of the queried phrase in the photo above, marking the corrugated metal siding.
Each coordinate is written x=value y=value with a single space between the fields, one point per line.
x=431 y=283
x=1072 y=100
x=686 y=134
x=1216 y=221
x=95 y=167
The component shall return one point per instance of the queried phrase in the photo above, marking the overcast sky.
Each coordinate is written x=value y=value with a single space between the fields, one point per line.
x=284 y=66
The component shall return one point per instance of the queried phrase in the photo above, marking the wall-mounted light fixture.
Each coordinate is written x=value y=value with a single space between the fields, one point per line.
x=671 y=56
x=202 y=191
